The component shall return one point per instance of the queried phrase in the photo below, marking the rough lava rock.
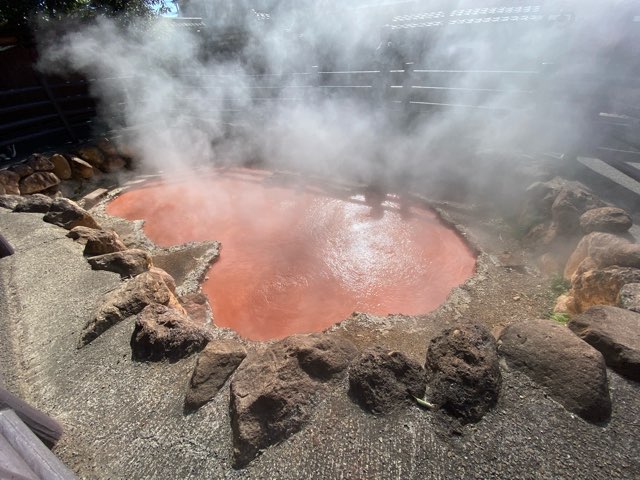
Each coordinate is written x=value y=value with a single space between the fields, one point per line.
x=463 y=374
x=128 y=263
x=127 y=300
x=96 y=241
x=382 y=381
x=168 y=280
x=36 y=203
x=162 y=333
x=614 y=332
x=600 y=287
x=10 y=202
x=9 y=182
x=214 y=366
x=37 y=182
x=67 y=214
x=629 y=297
x=21 y=169
x=605 y=219
x=272 y=396
x=573 y=372
x=39 y=163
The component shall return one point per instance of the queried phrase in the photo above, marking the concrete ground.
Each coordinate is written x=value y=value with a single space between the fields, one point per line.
x=124 y=419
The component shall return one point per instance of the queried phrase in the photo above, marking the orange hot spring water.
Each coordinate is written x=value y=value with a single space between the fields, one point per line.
x=298 y=257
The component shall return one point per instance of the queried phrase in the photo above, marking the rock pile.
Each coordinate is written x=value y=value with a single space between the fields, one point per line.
x=44 y=173
x=577 y=234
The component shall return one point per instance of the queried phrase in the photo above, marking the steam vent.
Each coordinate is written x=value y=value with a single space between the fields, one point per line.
x=320 y=240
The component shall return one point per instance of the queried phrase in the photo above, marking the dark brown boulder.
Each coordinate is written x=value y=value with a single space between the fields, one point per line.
x=67 y=214
x=629 y=297
x=568 y=207
x=92 y=155
x=381 y=381
x=614 y=332
x=605 y=219
x=37 y=182
x=573 y=372
x=10 y=182
x=36 y=203
x=127 y=300
x=162 y=333
x=39 y=163
x=61 y=166
x=113 y=163
x=10 y=202
x=97 y=242
x=107 y=146
x=128 y=263
x=81 y=169
x=600 y=287
x=214 y=366
x=21 y=169
x=272 y=395
x=463 y=375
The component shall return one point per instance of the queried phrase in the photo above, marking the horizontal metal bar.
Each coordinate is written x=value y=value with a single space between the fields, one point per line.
x=18 y=91
x=25 y=106
x=31 y=136
x=20 y=123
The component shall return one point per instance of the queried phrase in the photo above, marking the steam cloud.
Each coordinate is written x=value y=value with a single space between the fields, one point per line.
x=179 y=102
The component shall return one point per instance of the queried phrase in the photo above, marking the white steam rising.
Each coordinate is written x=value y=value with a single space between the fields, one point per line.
x=180 y=101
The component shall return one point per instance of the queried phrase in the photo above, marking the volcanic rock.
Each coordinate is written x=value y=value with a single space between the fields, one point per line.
x=10 y=202
x=573 y=372
x=381 y=381
x=162 y=332
x=615 y=332
x=97 y=242
x=21 y=169
x=113 y=163
x=129 y=299
x=107 y=147
x=61 y=166
x=605 y=219
x=36 y=203
x=37 y=182
x=39 y=163
x=166 y=278
x=128 y=263
x=67 y=214
x=197 y=307
x=569 y=205
x=214 y=366
x=80 y=168
x=272 y=395
x=629 y=297
x=9 y=182
x=463 y=375
x=600 y=287
x=92 y=155
x=592 y=248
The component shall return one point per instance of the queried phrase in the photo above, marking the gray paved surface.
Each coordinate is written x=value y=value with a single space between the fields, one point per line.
x=124 y=419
